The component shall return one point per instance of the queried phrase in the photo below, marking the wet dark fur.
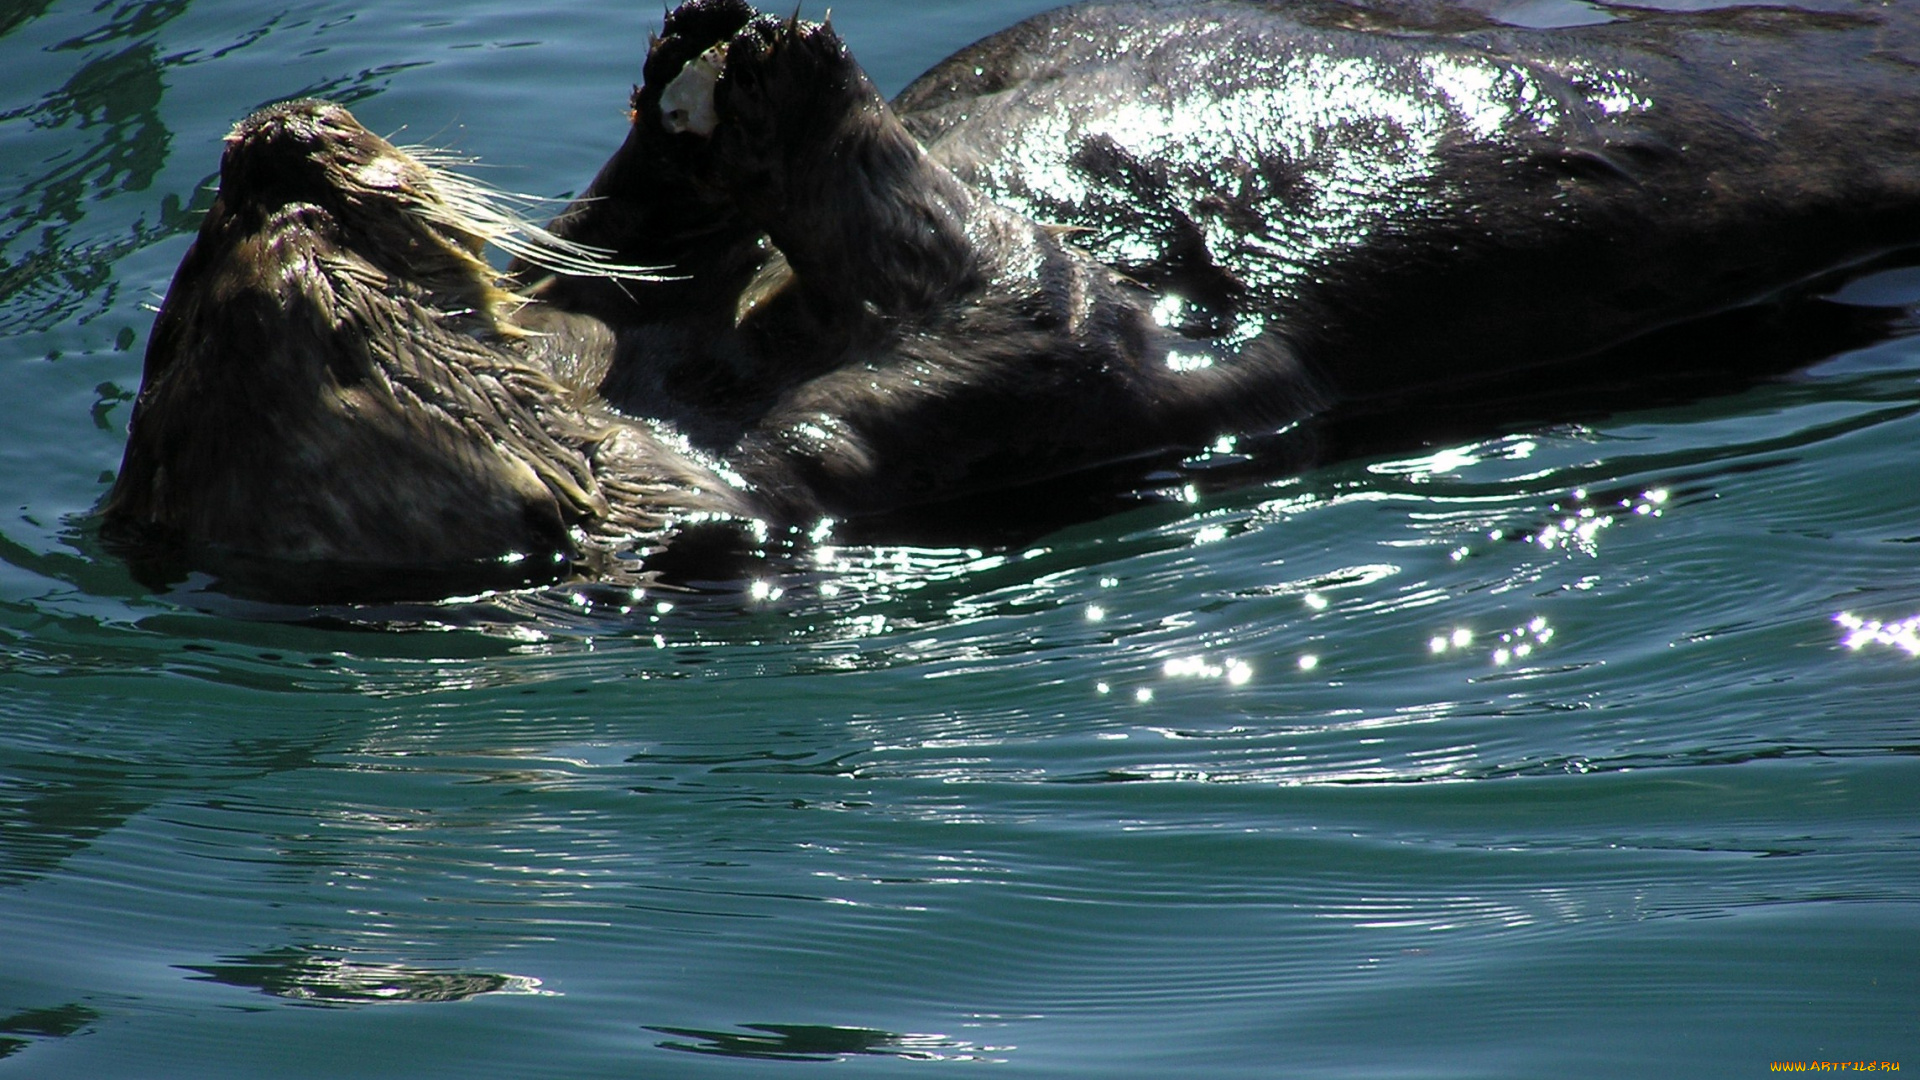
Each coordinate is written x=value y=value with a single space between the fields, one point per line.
x=919 y=314
x=857 y=324
x=336 y=394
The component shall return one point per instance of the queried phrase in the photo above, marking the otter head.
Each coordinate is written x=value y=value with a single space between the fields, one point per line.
x=335 y=381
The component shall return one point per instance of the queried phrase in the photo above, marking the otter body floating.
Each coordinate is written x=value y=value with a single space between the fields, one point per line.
x=1106 y=233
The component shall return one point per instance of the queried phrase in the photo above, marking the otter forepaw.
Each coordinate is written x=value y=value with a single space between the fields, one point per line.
x=758 y=82
x=787 y=90
x=788 y=69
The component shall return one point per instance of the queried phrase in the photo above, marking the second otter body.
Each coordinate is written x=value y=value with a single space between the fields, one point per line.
x=1252 y=213
x=1408 y=195
x=1108 y=232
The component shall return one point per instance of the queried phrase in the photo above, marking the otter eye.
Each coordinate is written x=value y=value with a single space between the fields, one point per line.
x=687 y=102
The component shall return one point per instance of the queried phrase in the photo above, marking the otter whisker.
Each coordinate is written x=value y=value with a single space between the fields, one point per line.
x=491 y=215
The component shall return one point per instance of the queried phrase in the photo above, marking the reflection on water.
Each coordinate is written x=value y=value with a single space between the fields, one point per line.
x=50 y=813
x=813 y=1042
x=54 y=1023
x=316 y=976
x=21 y=12
x=100 y=135
x=111 y=105
x=130 y=18
x=1549 y=720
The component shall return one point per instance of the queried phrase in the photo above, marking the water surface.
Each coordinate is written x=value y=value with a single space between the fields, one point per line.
x=1581 y=747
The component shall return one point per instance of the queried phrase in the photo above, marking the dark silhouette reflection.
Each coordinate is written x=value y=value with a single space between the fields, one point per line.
x=55 y=805
x=818 y=1042
x=330 y=978
x=13 y=16
x=49 y=815
x=130 y=20
x=113 y=104
x=54 y=1023
x=108 y=140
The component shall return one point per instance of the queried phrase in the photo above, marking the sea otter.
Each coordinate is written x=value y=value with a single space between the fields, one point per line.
x=1109 y=232
x=341 y=401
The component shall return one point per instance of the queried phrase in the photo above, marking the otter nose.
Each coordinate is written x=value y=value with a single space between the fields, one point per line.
x=286 y=150
x=291 y=125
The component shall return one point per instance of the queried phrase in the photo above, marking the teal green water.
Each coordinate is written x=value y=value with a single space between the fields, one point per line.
x=1586 y=749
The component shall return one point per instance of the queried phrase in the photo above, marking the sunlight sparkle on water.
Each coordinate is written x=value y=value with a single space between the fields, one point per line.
x=1235 y=672
x=1903 y=635
x=1516 y=644
x=1519 y=642
x=1575 y=530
